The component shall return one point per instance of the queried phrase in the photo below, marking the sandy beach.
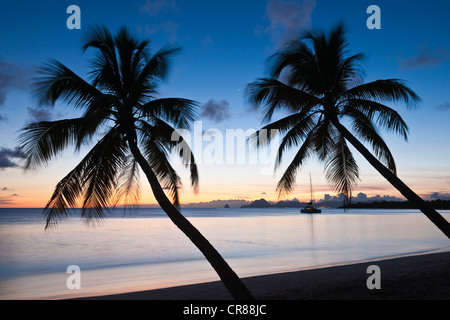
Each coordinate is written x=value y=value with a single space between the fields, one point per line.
x=419 y=277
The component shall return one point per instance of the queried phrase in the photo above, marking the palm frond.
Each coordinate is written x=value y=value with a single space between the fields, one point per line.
x=394 y=90
x=188 y=159
x=275 y=95
x=326 y=65
x=341 y=170
x=156 y=156
x=40 y=142
x=295 y=136
x=323 y=139
x=387 y=118
x=295 y=55
x=287 y=181
x=66 y=195
x=178 y=111
x=105 y=72
x=98 y=112
x=263 y=137
x=101 y=176
x=128 y=186
x=152 y=72
x=350 y=73
x=159 y=64
x=92 y=183
x=126 y=46
x=367 y=132
x=56 y=81
x=169 y=142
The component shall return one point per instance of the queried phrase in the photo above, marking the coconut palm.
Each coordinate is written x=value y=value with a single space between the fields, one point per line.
x=319 y=84
x=131 y=128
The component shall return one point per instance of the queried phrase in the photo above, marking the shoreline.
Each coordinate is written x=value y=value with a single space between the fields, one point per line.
x=416 y=277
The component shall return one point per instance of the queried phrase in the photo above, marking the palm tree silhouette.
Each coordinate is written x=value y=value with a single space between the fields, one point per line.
x=321 y=86
x=119 y=104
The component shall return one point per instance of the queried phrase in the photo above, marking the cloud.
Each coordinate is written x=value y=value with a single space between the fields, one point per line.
x=3 y=118
x=442 y=196
x=168 y=27
x=288 y=19
x=361 y=197
x=7 y=155
x=7 y=199
x=444 y=106
x=217 y=111
x=425 y=57
x=39 y=114
x=12 y=77
x=155 y=7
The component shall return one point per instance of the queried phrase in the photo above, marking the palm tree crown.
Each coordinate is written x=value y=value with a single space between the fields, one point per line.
x=321 y=86
x=119 y=103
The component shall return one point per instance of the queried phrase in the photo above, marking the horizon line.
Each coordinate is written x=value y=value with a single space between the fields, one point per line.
x=192 y=204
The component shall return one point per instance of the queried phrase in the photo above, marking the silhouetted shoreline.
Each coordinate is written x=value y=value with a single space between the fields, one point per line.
x=262 y=203
x=436 y=204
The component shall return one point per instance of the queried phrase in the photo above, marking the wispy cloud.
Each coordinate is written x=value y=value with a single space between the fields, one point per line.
x=7 y=199
x=168 y=27
x=39 y=114
x=217 y=111
x=444 y=106
x=155 y=7
x=425 y=57
x=288 y=19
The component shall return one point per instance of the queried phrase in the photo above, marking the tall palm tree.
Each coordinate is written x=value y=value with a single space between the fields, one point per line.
x=132 y=129
x=316 y=80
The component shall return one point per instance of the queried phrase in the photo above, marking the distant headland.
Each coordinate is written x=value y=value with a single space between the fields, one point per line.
x=262 y=203
x=328 y=201
x=436 y=204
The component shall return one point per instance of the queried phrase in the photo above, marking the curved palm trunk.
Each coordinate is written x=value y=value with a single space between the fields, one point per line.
x=229 y=278
x=432 y=214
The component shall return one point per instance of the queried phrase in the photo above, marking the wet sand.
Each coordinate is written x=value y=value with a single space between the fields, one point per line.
x=419 y=277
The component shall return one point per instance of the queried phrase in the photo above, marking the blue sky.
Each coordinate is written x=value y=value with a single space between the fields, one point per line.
x=225 y=46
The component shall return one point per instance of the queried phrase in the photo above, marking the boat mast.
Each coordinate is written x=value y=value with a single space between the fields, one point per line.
x=310 y=188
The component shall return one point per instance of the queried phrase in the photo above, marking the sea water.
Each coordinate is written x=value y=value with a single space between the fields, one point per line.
x=143 y=250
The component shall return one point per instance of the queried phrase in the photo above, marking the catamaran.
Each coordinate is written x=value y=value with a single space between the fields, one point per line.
x=310 y=205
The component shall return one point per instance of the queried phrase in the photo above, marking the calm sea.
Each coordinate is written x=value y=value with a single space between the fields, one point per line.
x=144 y=250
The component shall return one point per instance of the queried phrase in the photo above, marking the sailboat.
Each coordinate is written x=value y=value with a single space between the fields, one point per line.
x=310 y=205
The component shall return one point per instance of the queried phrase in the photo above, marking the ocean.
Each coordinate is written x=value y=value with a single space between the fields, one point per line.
x=142 y=249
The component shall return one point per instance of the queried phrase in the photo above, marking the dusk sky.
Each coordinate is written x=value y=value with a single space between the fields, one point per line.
x=225 y=46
